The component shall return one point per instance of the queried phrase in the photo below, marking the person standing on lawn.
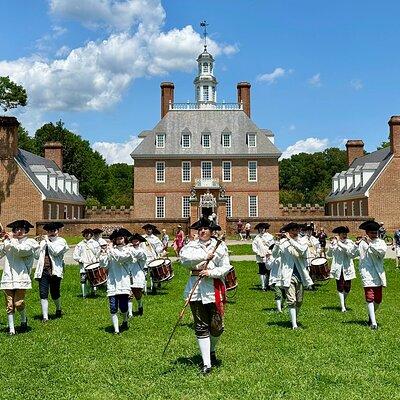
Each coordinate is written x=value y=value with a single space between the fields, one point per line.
x=292 y=249
x=19 y=252
x=239 y=229
x=247 y=230
x=208 y=261
x=179 y=240
x=117 y=259
x=342 y=250
x=50 y=267
x=261 y=244
x=372 y=250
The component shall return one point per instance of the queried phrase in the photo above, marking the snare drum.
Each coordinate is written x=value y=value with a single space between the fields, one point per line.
x=319 y=269
x=231 y=280
x=168 y=264
x=159 y=270
x=96 y=274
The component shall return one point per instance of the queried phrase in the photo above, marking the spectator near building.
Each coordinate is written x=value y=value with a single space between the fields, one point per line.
x=370 y=186
x=206 y=157
x=32 y=187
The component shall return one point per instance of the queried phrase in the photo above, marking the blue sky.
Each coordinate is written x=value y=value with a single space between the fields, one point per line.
x=321 y=72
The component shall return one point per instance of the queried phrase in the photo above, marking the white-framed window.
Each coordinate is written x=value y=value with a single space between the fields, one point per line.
x=252 y=171
x=57 y=211
x=251 y=140
x=345 y=209
x=186 y=171
x=253 y=206
x=226 y=171
x=186 y=140
x=228 y=206
x=353 y=208
x=205 y=68
x=185 y=207
x=213 y=96
x=361 y=208
x=160 y=140
x=226 y=140
x=205 y=93
x=49 y=211
x=160 y=171
x=206 y=170
x=160 y=206
x=205 y=140
x=337 y=209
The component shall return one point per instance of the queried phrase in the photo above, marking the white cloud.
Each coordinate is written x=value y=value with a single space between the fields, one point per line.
x=356 y=84
x=292 y=127
x=315 y=80
x=273 y=76
x=117 y=152
x=309 y=145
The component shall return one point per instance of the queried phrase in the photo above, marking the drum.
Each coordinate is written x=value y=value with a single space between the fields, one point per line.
x=231 y=280
x=159 y=270
x=319 y=269
x=168 y=264
x=96 y=274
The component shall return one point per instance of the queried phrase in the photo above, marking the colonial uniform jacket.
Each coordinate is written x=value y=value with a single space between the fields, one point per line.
x=260 y=246
x=371 y=262
x=86 y=252
x=57 y=248
x=292 y=252
x=19 y=260
x=117 y=261
x=313 y=247
x=153 y=248
x=342 y=253
x=193 y=256
x=136 y=266
x=275 y=265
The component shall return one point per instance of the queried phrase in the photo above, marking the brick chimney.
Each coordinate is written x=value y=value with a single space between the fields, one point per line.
x=8 y=137
x=355 y=149
x=243 y=91
x=167 y=96
x=53 y=151
x=394 y=124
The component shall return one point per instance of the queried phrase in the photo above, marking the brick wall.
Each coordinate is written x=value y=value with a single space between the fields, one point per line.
x=65 y=210
x=345 y=207
x=302 y=211
x=96 y=213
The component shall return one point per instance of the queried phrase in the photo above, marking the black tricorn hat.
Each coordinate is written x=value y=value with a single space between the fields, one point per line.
x=370 y=226
x=291 y=225
x=86 y=231
x=120 y=232
x=52 y=226
x=20 y=223
x=262 y=225
x=153 y=227
x=205 y=223
x=341 y=229
x=137 y=236
x=97 y=231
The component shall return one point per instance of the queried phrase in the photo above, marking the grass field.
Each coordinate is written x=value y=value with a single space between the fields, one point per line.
x=335 y=356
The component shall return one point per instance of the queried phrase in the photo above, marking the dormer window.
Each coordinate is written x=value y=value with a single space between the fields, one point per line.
x=251 y=140
x=205 y=93
x=226 y=140
x=186 y=140
x=205 y=140
x=160 y=140
x=205 y=68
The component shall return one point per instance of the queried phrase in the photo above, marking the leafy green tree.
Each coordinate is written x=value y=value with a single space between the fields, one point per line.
x=383 y=145
x=11 y=94
x=25 y=141
x=119 y=186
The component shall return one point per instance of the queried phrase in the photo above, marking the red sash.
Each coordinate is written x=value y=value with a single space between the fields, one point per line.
x=220 y=295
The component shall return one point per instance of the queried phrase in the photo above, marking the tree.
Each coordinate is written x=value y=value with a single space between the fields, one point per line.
x=383 y=145
x=119 y=186
x=11 y=94
x=26 y=142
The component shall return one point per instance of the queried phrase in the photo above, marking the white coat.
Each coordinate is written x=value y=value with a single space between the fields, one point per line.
x=371 y=262
x=193 y=256
x=342 y=253
x=18 y=264
x=153 y=248
x=260 y=246
x=292 y=252
x=313 y=248
x=275 y=265
x=86 y=252
x=117 y=261
x=57 y=248
x=136 y=266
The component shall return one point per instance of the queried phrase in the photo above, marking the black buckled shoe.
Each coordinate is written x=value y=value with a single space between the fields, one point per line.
x=24 y=326
x=214 y=360
x=205 y=370
x=124 y=326
x=59 y=313
x=140 y=311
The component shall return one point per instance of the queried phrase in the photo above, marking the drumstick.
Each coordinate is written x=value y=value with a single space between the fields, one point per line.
x=189 y=298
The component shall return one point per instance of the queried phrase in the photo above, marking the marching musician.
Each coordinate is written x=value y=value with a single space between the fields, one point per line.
x=208 y=261
x=136 y=270
x=50 y=267
x=313 y=243
x=153 y=249
x=97 y=236
x=292 y=249
x=260 y=246
x=19 y=251
x=116 y=259
x=86 y=252
x=343 y=251
x=371 y=251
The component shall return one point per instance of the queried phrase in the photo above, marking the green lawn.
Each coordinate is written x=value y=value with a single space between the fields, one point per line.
x=240 y=249
x=335 y=356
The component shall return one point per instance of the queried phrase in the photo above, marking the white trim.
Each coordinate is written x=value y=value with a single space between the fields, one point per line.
x=57 y=211
x=209 y=140
x=360 y=206
x=163 y=209
x=248 y=171
x=229 y=215
x=230 y=139
x=201 y=169
x=164 y=139
x=163 y=171
x=338 y=209
x=49 y=211
x=183 y=206
x=248 y=139
x=249 y=213
x=230 y=171
x=190 y=171
x=190 y=140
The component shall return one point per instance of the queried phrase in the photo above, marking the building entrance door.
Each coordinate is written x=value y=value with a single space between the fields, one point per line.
x=206 y=211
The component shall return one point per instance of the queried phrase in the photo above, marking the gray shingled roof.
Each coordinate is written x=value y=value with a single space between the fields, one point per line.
x=200 y=121
x=31 y=162
x=376 y=160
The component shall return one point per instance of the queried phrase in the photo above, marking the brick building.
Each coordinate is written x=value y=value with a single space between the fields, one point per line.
x=33 y=187
x=206 y=157
x=371 y=185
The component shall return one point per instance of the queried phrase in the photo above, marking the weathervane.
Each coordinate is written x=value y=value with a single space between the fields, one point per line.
x=204 y=25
